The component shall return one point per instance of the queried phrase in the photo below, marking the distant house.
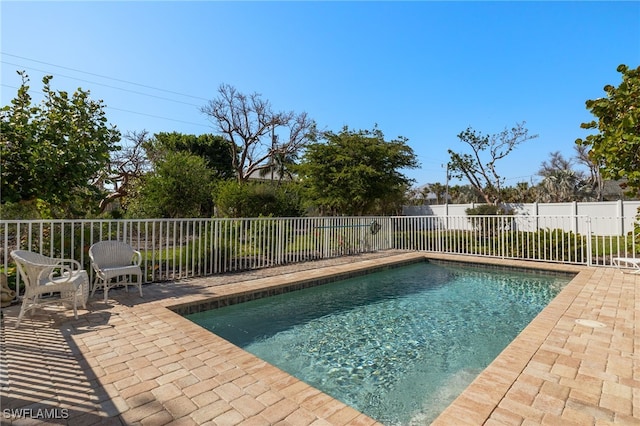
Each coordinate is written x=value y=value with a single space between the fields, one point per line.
x=612 y=191
x=268 y=176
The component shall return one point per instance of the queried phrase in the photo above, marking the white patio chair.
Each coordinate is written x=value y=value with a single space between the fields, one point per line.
x=627 y=264
x=114 y=259
x=63 y=279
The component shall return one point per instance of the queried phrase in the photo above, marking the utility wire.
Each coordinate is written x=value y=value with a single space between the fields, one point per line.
x=104 y=76
x=102 y=84
x=125 y=110
x=157 y=116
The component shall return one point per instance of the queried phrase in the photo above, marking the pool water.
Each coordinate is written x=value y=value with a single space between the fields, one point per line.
x=398 y=345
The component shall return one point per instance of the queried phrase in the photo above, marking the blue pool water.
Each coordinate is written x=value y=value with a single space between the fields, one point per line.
x=398 y=345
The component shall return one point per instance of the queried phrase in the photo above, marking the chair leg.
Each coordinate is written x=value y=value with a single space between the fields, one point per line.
x=95 y=286
x=75 y=305
x=140 y=283
x=23 y=309
x=84 y=289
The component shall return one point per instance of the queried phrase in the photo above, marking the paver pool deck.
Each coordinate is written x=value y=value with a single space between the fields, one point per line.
x=134 y=361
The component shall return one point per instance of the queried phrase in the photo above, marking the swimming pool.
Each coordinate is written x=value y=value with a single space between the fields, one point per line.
x=398 y=345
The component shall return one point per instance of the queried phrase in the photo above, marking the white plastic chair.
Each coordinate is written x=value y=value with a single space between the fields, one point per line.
x=64 y=279
x=113 y=259
x=627 y=264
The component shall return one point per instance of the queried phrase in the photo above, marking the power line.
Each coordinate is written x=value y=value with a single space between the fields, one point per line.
x=102 y=84
x=104 y=76
x=157 y=116
x=125 y=110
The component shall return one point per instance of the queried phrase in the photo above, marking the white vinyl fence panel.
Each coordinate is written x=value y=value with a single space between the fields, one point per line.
x=626 y=211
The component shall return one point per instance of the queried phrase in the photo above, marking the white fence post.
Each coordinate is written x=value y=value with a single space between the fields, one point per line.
x=589 y=242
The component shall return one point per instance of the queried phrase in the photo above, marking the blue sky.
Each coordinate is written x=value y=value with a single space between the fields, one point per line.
x=423 y=70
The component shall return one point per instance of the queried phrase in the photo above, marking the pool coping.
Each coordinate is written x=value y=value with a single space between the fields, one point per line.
x=137 y=361
x=259 y=291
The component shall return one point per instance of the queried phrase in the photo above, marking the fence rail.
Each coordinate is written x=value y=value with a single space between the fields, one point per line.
x=182 y=248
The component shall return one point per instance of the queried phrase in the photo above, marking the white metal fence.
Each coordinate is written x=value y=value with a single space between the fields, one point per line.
x=182 y=248
x=568 y=239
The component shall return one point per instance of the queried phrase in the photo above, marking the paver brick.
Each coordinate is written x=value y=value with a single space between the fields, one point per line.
x=616 y=404
x=549 y=404
x=136 y=414
x=200 y=387
x=159 y=418
x=280 y=410
x=229 y=418
x=210 y=412
x=138 y=388
x=140 y=399
x=343 y=416
x=255 y=421
x=505 y=417
x=166 y=392
x=228 y=391
x=205 y=398
x=247 y=405
x=180 y=406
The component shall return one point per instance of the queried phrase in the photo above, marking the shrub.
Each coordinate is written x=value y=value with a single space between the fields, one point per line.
x=255 y=199
x=480 y=219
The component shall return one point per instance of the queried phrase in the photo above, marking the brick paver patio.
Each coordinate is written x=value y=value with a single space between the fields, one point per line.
x=133 y=361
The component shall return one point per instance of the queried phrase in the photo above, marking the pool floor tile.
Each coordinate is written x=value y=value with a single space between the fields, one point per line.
x=133 y=361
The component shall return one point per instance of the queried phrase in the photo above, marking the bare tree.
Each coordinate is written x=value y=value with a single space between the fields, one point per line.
x=595 y=178
x=482 y=173
x=556 y=163
x=250 y=124
x=125 y=165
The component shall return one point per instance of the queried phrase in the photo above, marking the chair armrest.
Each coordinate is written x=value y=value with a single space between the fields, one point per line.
x=65 y=268
x=137 y=257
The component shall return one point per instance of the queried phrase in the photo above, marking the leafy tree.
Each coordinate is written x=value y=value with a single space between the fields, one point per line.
x=180 y=186
x=215 y=150
x=250 y=125
x=161 y=152
x=356 y=172
x=54 y=150
x=482 y=173
x=255 y=199
x=616 y=146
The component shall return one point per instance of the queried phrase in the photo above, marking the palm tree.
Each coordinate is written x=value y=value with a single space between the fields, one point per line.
x=563 y=186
